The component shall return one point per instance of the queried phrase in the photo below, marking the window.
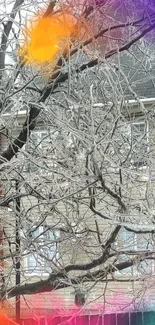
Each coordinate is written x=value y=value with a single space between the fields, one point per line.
x=37 y=143
x=145 y=242
x=132 y=143
x=126 y=241
x=42 y=250
x=137 y=242
x=139 y=142
x=37 y=140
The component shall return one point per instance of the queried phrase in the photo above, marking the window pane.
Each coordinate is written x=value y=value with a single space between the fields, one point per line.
x=45 y=245
x=126 y=244
x=128 y=240
x=145 y=242
x=31 y=262
x=36 y=142
x=139 y=140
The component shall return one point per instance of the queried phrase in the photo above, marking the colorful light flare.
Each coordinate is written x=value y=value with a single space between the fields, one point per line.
x=47 y=38
x=4 y=320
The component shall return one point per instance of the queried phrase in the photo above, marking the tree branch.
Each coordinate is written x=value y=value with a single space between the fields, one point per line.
x=49 y=9
x=104 y=31
x=60 y=280
x=5 y=34
x=140 y=231
x=110 y=53
x=19 y=142
x=4 y=201
x=98 y=261
x=57 y=79
x=106 y=188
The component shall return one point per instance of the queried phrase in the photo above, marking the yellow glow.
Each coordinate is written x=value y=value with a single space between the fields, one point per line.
x=48 y=37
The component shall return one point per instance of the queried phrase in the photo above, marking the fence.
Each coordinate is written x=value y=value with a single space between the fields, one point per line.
x=133 y=318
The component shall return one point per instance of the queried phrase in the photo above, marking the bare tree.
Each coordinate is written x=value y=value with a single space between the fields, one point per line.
x=80 y=146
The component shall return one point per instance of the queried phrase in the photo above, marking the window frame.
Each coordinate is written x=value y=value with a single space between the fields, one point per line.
x=39 y=133
x=146 y=125
x=125 y=141
x=34 y=271
x=134 y=268
x=125 y=271
x=152 y=268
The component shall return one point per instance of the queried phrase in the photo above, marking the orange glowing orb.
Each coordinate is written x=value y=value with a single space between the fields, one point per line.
x=48 y=37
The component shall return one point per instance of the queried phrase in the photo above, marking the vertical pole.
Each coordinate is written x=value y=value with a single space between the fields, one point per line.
x=17 y=251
